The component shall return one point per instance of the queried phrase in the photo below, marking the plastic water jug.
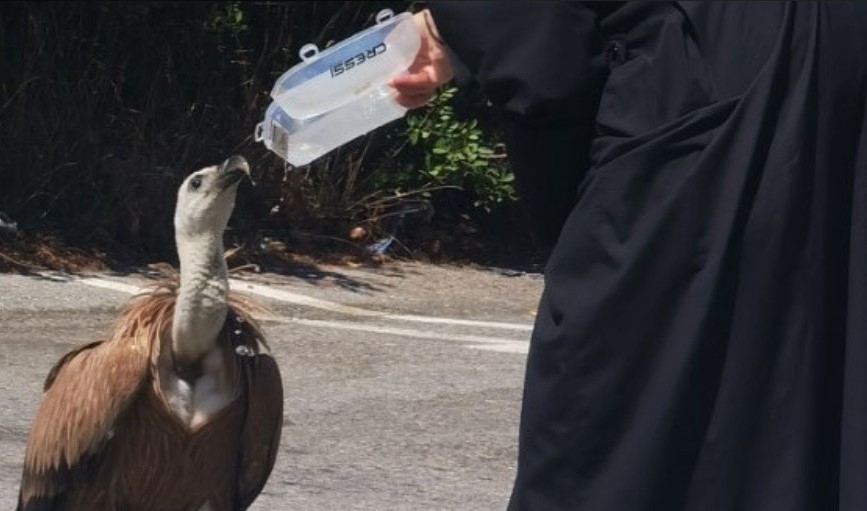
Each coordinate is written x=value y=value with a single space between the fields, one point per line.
x=340 y=93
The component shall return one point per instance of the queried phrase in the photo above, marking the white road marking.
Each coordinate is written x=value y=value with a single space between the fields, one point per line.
x=498 y=344
x=299 y=299
x=510 y=346
x=483 y=342
x=110 y=284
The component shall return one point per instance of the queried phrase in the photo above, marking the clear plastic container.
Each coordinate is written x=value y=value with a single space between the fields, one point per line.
x=350 y=69
x=340 y=93
x=299 y=142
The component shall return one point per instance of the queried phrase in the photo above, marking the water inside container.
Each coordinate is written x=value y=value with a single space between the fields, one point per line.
x=301 y=142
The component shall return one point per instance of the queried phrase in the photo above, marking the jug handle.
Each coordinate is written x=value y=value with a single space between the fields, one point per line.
x=384 y=15
x=308 y=52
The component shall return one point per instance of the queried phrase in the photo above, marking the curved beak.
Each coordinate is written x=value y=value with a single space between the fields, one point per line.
x=232 y=171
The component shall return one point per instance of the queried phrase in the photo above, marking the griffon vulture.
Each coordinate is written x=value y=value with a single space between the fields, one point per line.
x=182 y=408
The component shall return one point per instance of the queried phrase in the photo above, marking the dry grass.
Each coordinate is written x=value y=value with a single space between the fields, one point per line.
x=40 y=253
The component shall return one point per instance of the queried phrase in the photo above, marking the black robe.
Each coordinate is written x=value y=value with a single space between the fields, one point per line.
x=700 y=170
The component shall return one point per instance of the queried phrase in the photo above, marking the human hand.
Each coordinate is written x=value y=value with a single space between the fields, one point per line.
x=429 y=70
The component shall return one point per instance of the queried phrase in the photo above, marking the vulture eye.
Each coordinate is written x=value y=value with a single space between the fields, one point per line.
x=195 y=183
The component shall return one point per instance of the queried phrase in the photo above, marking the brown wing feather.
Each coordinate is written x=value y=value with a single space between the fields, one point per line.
x=262 y=428
x=84 y=394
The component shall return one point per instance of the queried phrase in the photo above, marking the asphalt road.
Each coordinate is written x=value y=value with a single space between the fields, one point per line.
x=402 y=383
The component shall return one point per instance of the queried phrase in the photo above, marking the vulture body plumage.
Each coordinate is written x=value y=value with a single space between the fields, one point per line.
x=181 y=409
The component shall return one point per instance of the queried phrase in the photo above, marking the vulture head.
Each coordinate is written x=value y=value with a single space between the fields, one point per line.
x=206 y=198
x=205 y=202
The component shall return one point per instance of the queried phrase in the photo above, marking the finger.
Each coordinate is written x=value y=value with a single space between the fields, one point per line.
x=413 y=91
x=414 y=82
x=413 y=96
x=413 y=100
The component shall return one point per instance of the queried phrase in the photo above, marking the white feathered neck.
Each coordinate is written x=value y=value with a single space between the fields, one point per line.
x=202 y=212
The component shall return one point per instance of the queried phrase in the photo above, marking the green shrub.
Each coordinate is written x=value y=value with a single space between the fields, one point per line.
x=457 y=152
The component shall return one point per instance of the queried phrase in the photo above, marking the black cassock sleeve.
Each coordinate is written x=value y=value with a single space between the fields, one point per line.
x=543 y=64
